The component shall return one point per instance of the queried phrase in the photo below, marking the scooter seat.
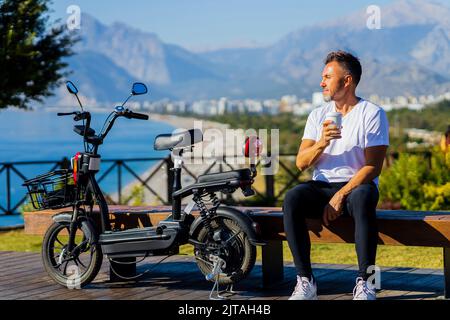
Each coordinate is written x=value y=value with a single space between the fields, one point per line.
x=230 y=180
x=178 y=140
x=241 y=175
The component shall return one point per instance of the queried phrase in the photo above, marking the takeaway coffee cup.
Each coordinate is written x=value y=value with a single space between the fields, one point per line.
x=335 y=117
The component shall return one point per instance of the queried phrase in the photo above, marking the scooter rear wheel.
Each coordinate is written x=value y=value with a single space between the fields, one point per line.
x=234 y=248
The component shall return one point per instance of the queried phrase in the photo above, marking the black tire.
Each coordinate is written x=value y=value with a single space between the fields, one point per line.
x=241 y=253
x=88 y=261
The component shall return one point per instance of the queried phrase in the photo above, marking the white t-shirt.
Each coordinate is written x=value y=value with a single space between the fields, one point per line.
x=366 y=125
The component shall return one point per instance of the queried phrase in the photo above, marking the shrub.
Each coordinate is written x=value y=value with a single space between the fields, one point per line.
x=412 y=183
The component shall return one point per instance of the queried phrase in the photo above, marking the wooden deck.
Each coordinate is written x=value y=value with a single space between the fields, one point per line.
x=22 y=277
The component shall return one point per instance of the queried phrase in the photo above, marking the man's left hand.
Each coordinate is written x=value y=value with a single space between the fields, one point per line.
x=334 y=208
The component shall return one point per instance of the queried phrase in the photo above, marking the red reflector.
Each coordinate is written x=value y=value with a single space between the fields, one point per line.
x=75 y=167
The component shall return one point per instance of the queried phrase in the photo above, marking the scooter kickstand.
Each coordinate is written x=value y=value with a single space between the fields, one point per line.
x=217 y=270
x=228 y=291
x=216 y=288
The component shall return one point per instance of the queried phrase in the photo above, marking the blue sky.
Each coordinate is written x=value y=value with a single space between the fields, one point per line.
x=200 y=24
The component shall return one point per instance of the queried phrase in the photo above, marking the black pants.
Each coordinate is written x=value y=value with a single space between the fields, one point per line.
x=308 y=200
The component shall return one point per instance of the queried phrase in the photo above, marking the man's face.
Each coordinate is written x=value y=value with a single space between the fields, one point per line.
x=333 y=81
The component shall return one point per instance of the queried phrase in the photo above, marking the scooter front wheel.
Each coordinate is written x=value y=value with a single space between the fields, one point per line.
x=228 y=242
x=73 y=269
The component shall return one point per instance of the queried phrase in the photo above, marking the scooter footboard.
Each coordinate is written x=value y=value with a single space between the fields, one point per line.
x=137 y=242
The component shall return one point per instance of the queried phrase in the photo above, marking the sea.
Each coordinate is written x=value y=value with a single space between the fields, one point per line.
x=43 y=136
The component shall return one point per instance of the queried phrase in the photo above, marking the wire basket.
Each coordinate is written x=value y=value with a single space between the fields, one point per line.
x=53 y=190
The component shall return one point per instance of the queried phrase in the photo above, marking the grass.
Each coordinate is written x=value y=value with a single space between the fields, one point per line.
x=19 y=241
x=387 y=256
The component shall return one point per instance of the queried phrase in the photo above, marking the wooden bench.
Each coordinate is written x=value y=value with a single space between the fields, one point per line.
x=395 y=227
x=401 y=228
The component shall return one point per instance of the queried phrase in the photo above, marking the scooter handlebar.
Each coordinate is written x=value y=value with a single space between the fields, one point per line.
x=62 y=114
x=134 y=115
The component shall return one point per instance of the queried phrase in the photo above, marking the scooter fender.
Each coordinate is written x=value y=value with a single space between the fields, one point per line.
x=87 y=225
x=244 y=221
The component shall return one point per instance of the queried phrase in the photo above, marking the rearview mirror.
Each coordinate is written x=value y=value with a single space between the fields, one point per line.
x=138 y=89
x=71 y=87
x=252 y=147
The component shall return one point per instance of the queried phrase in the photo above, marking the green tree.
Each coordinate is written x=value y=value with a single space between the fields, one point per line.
x=415 y=185
x=434 y=117
x=31 y=52
x=137 y=196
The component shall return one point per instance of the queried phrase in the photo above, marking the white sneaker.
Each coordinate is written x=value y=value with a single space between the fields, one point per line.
x=362 y=291
x=304 y=290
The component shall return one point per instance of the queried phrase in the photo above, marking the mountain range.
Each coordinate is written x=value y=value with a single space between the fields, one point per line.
x=409 y=55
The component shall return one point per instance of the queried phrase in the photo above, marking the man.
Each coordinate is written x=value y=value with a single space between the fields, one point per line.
x=347 y=161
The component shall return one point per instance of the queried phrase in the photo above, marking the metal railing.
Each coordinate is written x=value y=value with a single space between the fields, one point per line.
x=12 y=168
x=157 y=183
x=266 y=193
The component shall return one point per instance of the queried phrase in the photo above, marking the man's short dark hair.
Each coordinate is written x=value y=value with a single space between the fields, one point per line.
x=349 y=62
x=447 y=133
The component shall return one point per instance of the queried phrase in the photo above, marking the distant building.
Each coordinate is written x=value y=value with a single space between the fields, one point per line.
x=375 y=99
x=170 y=108
x=317 y=99
x=386 y=107
x=401 y=101
x=222 y=106
x=253 y=106
x=287 y=104
x=303 y=108
x=271 y=107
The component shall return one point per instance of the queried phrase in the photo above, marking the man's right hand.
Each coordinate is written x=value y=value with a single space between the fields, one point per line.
x=329 y=132
x=310 y=150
